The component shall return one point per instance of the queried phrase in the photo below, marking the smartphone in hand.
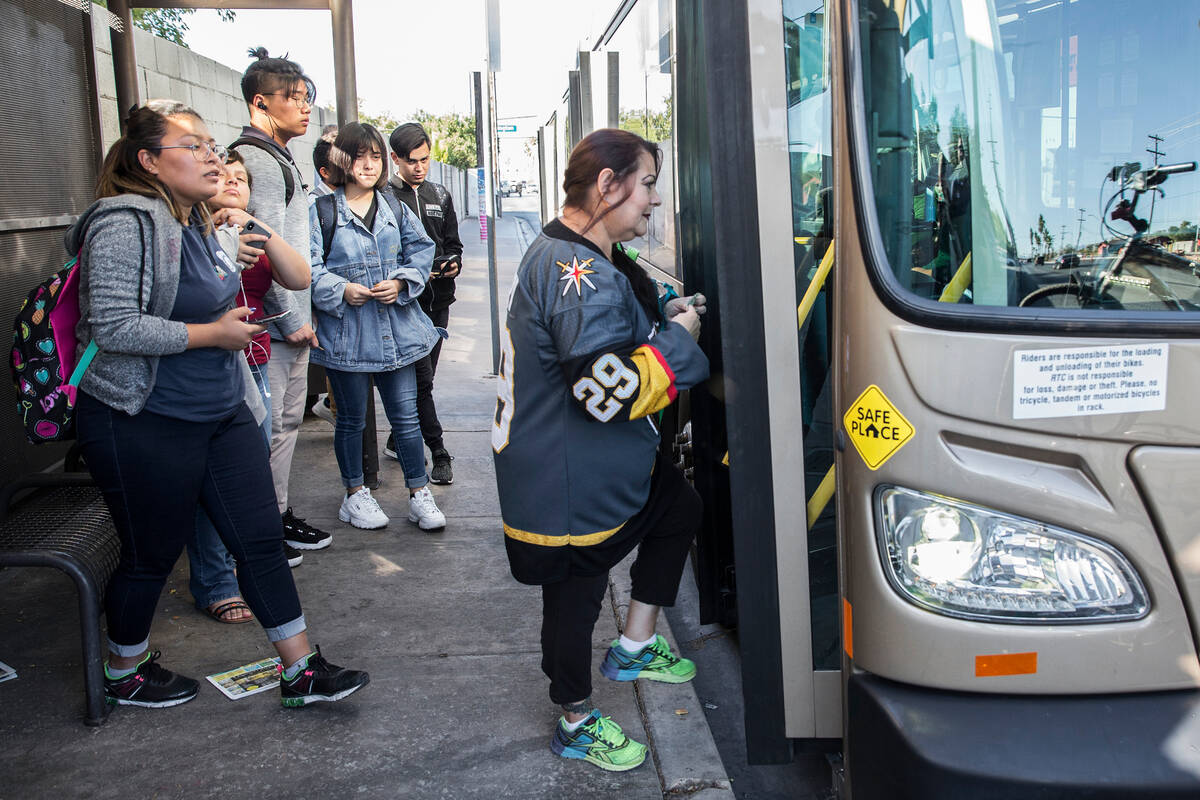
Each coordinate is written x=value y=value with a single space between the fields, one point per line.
x=272 y=318
x=253 y=227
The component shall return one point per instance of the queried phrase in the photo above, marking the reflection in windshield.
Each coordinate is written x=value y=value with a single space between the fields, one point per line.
x=1021 y=146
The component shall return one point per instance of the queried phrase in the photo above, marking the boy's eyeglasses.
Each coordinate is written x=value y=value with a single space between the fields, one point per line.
x=201 y=151
x=299 y=99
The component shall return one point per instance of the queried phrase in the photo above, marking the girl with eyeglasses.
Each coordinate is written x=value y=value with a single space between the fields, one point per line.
x=163 y=415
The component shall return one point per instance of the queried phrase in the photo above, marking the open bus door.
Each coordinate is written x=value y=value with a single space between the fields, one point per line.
x=1015 y=456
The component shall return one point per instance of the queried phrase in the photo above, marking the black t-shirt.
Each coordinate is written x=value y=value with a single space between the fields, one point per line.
x=368 y=219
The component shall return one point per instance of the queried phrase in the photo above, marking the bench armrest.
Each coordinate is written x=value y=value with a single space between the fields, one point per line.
x=38 y=481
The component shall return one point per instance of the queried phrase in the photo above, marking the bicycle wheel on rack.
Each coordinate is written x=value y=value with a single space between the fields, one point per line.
x=1056 y=295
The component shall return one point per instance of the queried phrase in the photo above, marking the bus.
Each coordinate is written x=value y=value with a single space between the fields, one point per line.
x=949 y=248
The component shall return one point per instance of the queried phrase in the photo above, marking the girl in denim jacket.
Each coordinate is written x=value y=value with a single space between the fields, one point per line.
x=364 y=295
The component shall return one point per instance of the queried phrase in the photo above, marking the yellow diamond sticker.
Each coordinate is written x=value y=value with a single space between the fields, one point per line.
x=876 y=427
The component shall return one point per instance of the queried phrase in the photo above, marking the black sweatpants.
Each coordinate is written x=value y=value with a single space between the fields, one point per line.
x=431 y=427
x=662 y=532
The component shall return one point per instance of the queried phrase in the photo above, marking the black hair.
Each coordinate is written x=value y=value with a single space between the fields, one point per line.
x=321 y=154
x=268 y=75
x=408 y=137
x=352 y=141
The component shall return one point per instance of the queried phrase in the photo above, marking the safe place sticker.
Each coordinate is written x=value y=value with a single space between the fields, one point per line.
x=1082 y=381
x=876 y=427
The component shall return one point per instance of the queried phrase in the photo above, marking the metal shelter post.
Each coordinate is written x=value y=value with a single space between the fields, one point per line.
x=124 y=60
x=343 y=60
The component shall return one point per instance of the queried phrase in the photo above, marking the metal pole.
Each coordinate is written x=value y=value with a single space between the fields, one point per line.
x=477 y=84
x=490 y=207
x=343 y=60
x=124 y=60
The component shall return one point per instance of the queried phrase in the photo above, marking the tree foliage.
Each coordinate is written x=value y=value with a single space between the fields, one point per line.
x=652 y=125
x=452 y=135
x=169 y=23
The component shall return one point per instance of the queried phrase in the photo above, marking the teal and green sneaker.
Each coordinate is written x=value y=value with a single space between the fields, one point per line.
x=599 y=741
x=653 y=662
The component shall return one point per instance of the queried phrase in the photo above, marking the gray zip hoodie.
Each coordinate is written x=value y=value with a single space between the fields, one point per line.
x=115 y=236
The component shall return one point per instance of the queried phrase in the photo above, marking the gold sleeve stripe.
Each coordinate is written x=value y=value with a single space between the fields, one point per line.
x=656 y=388
x=580 y=540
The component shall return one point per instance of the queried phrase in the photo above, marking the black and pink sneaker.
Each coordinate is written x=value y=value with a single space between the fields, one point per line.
x=149 y=686
x=320 y=682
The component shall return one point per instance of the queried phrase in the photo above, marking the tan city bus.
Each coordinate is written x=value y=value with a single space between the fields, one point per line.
x=951 y=453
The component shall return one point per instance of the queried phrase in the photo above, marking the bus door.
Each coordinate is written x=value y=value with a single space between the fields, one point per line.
x=1015 y=304
x=756 y=233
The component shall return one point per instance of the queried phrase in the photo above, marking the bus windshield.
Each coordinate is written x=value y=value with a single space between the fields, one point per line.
x=1036 y=152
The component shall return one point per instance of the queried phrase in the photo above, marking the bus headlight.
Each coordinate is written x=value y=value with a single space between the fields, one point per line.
x=967 y=561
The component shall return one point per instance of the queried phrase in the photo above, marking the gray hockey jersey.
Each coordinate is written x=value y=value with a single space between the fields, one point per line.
x=583 y=372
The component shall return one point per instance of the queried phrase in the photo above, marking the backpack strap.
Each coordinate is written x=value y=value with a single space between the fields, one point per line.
x=289 y=181
x=396 y=205
x=327 y=218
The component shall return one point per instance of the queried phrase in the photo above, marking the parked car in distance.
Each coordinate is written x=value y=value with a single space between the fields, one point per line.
x=1067 y=261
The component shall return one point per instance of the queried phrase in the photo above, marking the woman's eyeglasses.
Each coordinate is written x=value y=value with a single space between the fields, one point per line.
x=201 y=151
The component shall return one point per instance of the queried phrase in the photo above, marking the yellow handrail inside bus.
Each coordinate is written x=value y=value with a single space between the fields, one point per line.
x=814 y=287
x=821 y=496
x=958 y=284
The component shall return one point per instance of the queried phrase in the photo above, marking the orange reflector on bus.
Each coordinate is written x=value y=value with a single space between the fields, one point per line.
x=999 y=664
x=847 y=628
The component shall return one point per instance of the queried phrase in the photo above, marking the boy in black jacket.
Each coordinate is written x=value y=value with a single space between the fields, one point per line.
x=432 y=204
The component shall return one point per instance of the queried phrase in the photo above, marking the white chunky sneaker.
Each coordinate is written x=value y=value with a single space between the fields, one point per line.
x=424 y=511
x=361 y=511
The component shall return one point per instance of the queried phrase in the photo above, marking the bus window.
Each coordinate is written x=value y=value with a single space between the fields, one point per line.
x=1020 y=151
x=810 y=159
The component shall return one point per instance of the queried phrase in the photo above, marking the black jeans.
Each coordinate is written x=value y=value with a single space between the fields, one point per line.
x=662 y=531
x=153 y=472
x=431 y=427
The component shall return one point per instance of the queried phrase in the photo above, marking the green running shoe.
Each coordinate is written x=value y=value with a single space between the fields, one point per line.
x=653 y=662
x=599 y=741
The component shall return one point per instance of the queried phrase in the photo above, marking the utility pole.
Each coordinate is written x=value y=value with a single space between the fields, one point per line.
x=492 y=33
x=1062 y=240
x=1080 y=233
x=1153 y=150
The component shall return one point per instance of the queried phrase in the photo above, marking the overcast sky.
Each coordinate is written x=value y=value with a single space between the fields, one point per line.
x=411 y=56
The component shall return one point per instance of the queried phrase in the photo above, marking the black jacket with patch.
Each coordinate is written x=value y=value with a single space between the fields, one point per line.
x=432 y=204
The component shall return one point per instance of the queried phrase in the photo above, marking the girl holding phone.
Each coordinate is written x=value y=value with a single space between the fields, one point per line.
x=364 y=295
x=162 y=416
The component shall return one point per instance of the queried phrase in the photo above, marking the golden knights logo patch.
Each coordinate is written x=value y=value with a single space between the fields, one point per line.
x=576 y=274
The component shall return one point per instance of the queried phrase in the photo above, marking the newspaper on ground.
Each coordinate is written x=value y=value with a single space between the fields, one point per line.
x=248 y=679
x=7 y=673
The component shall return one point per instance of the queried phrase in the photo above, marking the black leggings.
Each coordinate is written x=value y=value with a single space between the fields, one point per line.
x=662 y=532
x=153 y=472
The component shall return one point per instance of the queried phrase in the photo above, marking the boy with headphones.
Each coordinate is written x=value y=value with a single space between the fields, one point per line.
x=279 y=97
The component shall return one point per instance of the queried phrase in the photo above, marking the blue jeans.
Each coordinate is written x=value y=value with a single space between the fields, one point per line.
x=211 y=566
x=153 y=471
x=398 y=389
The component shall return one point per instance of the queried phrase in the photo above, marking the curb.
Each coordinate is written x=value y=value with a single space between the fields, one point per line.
x=680 y=740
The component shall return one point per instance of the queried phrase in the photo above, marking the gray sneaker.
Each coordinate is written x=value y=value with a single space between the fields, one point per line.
x=442 y=473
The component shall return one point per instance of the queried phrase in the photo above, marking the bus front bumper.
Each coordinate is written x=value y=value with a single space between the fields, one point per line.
x=905 y=741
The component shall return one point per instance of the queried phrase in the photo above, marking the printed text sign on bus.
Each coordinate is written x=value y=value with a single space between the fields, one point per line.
x=876 y=427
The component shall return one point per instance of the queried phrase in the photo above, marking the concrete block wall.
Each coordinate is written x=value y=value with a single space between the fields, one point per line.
x=167 y=70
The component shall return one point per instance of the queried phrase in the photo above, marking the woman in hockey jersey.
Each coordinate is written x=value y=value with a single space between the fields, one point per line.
x=589 y=358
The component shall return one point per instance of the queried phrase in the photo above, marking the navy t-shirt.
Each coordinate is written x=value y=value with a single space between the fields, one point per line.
x=203 y=384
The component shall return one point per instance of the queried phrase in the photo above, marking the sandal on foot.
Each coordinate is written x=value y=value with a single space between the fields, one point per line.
x=219 y=612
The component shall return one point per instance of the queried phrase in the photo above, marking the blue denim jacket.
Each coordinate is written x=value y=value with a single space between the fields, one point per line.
x=373 y=337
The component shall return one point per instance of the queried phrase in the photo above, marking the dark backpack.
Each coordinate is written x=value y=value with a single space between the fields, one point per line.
x=327 y=216
x=289 y=180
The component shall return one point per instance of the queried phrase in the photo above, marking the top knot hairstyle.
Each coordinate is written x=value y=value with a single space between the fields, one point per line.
x=267 y=75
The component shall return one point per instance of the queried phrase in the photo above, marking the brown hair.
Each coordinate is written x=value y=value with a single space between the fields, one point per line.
x=235 y=157
x=352 y=141
x=123 y=173
x=607 y=148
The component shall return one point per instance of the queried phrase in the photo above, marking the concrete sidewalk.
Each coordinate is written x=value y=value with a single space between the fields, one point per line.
x=457 y=706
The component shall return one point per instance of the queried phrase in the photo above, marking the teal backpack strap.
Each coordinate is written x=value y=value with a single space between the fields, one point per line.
x=88 y=354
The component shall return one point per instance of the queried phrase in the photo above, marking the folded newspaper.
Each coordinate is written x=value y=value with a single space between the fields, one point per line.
x=248 y=679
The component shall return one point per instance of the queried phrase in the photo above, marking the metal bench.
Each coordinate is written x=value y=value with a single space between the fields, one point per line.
x=66 y=525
